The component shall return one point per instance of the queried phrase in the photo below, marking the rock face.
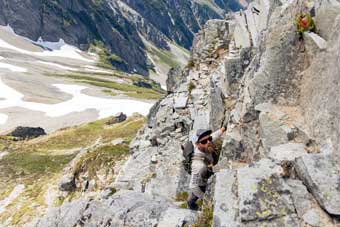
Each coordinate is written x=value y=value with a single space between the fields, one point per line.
x=122 y=209
x=175 y=78
x=115 y=23
x=279 y=162
x=27 y=132
x=320 y=174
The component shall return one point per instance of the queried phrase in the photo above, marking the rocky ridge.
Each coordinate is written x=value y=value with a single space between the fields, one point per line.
x=279 y=163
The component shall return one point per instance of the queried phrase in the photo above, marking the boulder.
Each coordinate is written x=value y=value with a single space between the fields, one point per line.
x=27 y=132
x=314 y=41
x=232 y=148
x=286 y=152
x=117 y=141
x=120 y=117
x=301 y=198
x=225 y=200
x=174 y=217
x=67 y=183
x=117 y=118
x=312 y=218
x=272 y=131
x=216 y=107
x=175 y=77
x=320 y=174
x=262 y=194
x=181 y=100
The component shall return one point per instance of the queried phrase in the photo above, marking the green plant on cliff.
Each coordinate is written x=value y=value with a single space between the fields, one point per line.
x=304 y=22
x=105 y=57
x=205 y=219
x=191 y=86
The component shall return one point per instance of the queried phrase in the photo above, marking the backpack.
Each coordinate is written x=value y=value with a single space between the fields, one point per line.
x=188 y=153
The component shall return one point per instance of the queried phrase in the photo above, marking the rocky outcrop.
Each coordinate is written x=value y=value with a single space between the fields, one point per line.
x=122 y=209
x=278 y=164
x=174 y=79
x=27 y=132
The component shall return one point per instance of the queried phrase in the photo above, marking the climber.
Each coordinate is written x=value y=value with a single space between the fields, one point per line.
x=202 y=163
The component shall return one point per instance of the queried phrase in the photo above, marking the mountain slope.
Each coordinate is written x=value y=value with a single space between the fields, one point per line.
x=118 y=24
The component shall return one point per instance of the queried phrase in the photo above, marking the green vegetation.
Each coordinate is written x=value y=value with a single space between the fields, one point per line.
x=128 y=89
x=38 y=163
x=32 y=163
x=182 y=196
x=105 y=57
x=183 y=206
x=105 y=155
x=205 y=219
x=191 y=64
x=191 y=86
x=164 y=56
x=86 y=134
x=304 y=22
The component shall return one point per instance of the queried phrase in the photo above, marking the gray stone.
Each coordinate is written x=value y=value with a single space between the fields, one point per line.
x=181 y=100
x=320 y=81
x=117 y=141
x=286 y=152
x=201 y=119
x=285 y=221
x=67 y=183
x=274 y=76
x=234 y=73
x=225 y=201
x=175 y=77
x=152 y=118
x=272 y=109
x=216 y=107
x=326 y=147
x=175 y=217
x=271 y=131
x=312 y=218
x=232 y=148
x=206 y=42
x=262 y=194
x=122 y=209
x=301 y=198
x=120 y=117
x=321 y=175
x=315 y=40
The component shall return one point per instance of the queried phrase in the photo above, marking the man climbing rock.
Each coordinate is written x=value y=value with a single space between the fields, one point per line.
x=202 y=163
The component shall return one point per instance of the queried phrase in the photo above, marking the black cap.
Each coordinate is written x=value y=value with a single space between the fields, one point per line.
x=200 y=133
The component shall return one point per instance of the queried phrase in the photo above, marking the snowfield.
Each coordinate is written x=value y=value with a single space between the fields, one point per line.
x=78 y=103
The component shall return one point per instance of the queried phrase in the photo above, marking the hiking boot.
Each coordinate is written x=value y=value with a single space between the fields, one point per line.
x=192 y=206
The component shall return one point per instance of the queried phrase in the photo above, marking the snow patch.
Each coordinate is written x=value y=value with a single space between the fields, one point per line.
x=59 y=49
x=78 y=103
x=172 y=20
x=58 y=66
x=2 y=154
x=12 y=67
x=14 y=194
x=91 y=68
x=3 y=118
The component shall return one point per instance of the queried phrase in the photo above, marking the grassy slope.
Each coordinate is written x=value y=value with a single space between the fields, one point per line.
x=39 y=163
x=112 y=88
